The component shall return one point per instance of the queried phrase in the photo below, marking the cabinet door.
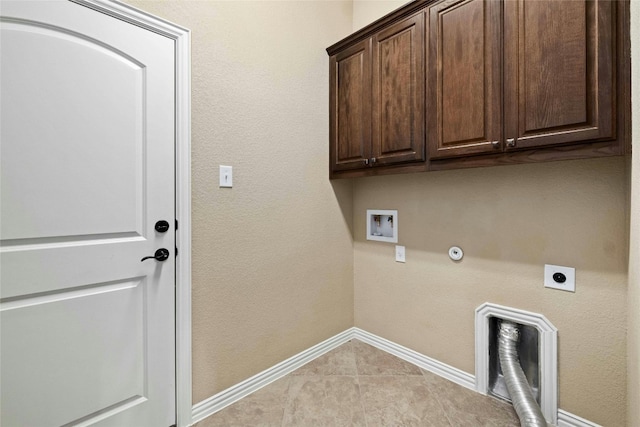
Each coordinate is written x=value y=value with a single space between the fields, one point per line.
x=464 y=107
x=398 y=92
x=558 y=72
x=350 y=107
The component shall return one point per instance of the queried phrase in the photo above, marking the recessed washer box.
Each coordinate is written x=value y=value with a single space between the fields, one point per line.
x=382 y=225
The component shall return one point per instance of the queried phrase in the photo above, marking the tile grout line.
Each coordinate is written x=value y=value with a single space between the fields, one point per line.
x=335 y=367
x=435 y=395
x=286 y=401
x=355 y=361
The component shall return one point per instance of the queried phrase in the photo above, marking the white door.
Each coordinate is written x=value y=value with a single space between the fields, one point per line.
x=87 y=158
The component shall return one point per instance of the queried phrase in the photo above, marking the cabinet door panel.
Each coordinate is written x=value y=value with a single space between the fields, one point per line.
x=559 y=72
x=464 y=78
x=350 y=98
x=398 y=92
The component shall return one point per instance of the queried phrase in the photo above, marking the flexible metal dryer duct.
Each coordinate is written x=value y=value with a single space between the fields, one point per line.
x=521 y=396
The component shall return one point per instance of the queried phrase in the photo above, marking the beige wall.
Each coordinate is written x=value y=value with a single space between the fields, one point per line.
x=367 y=11
x=272 y=257
x=509 y=221
x=634 y=253
x=274 y=265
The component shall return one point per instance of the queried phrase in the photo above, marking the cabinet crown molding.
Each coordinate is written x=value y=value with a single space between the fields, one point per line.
x=392 y=17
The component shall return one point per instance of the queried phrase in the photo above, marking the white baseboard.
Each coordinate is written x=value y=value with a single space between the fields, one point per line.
x=428 y=364
x=234 y=393
x=567 y=419
x=231 y=395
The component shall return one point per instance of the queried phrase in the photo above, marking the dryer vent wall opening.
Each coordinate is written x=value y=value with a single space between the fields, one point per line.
x=524 y=402
x=528 y=353
x=536 y=349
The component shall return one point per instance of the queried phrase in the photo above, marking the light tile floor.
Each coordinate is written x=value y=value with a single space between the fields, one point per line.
x=358 y=385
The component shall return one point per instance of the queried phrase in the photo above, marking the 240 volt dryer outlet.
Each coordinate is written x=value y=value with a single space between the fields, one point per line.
x=559 y=277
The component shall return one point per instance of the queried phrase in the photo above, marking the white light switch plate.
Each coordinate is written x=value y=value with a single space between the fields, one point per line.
x=226 y=176
x=569 y=273
x=400 y=254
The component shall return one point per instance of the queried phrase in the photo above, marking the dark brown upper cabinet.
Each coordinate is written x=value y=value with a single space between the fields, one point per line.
x=350 y=98
x=398 y=93
x=446 y=84
x=559 y=72
x=519 y=74
x=377 y=99
x=465 y=114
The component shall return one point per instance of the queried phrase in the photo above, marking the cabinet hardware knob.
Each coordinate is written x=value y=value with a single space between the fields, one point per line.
x=366 y=161
x=495 y=144
x=511 y=142
x=373 y=160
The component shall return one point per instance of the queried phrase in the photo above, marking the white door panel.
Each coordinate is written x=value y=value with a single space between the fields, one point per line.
x=87 y=161
x=38 y=351
x=66 y=69
x=23 y=268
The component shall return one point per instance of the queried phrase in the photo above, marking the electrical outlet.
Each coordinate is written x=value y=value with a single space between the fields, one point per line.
x=559 y=277
x=400 y=254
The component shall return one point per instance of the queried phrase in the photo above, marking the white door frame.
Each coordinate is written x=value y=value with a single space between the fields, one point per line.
x=182 y=39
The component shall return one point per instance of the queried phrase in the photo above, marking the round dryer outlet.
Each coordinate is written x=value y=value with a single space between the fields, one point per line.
x=455 y=253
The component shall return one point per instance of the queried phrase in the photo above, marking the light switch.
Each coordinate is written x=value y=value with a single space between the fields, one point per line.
x=400 y=254
x=226 y=176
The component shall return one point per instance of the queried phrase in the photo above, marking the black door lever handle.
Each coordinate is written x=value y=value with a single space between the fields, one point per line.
x=161 y=255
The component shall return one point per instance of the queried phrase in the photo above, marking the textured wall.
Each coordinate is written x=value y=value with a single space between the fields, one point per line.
x=272 y=257
x=367 y=11
x=509 y=221
x=634 y=251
